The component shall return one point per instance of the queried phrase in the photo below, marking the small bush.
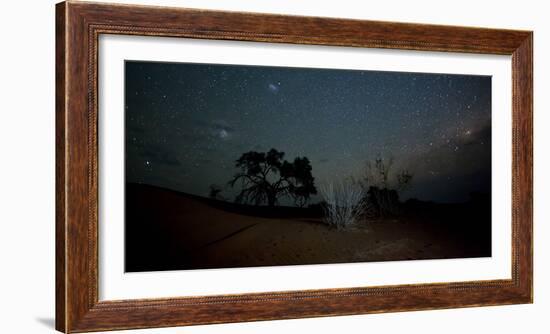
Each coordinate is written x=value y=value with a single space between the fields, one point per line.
x=344 y=204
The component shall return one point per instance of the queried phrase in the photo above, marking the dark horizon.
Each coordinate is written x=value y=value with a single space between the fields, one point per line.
x=186 y=124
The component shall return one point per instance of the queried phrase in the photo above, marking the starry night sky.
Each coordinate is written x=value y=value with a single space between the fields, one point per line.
x=186 y=124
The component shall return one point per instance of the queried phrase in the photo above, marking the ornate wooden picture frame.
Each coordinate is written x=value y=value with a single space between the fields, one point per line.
x=78 y=27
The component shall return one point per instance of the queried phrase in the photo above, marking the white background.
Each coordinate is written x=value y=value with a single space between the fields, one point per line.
x=27 y=166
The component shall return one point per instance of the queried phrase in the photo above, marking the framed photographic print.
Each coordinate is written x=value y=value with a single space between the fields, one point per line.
x=221 y=167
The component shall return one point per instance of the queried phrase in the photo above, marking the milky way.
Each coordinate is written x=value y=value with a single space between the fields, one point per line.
x=186 y=124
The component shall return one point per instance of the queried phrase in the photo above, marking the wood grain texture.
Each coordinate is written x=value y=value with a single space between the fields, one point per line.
x=78 y=27
x=60 y=99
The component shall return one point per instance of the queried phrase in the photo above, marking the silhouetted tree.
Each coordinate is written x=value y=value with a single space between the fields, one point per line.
x=265 y=177
x=214 y=191
x=404 y=179
x=382 y=184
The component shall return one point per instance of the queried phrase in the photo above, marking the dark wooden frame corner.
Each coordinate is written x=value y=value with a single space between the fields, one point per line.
x=78 y=25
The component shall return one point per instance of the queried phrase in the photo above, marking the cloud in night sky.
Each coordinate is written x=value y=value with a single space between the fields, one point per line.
x=274 y=88
x=186 y=124
x=447 y=175
x=216 y=128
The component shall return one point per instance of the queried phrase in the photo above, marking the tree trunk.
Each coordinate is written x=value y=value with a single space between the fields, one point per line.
x=271 y=199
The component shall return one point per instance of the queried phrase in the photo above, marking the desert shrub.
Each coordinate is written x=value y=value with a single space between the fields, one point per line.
x=381 y=185
x=382 y=202
x=344 y=203
x=214 y=192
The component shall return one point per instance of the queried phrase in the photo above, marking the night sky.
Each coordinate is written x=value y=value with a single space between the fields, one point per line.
x=186 y=124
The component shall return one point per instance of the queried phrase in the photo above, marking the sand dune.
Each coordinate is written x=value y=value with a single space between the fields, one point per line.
x=170 y=230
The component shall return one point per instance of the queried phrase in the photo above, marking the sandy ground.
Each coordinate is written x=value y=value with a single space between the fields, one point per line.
x=181 y=232
x=283 y=242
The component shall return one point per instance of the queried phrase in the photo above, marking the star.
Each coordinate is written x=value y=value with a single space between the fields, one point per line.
x=175 y=127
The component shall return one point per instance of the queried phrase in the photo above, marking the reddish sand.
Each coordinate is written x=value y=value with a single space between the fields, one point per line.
x=175 y=231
